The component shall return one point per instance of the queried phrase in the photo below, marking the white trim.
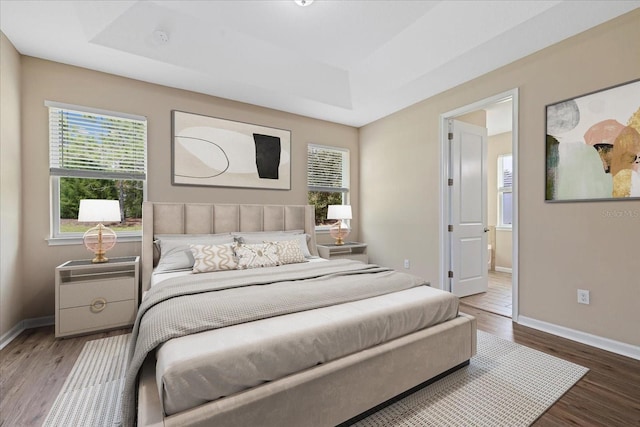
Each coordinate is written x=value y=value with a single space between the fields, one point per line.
x=78 y=240
x=11 y=334
x=607 y=344
x=515 y=243
x=504 y=269
x=445 y=282
x=83 y=109
x=23 y=325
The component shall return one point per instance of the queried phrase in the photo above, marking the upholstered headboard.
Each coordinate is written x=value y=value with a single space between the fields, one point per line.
x=209 y=218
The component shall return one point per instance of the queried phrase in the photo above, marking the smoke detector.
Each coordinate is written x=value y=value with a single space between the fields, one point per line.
x=303 y=2
x=160 y=37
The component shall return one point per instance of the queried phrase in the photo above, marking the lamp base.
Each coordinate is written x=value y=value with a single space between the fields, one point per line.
x=100 y=258
x=99 y=240
x=338 y=231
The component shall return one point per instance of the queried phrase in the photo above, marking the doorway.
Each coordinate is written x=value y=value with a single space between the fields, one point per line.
x=502 y=263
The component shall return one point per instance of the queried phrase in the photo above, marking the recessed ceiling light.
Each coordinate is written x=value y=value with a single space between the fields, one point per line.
x=303 y=2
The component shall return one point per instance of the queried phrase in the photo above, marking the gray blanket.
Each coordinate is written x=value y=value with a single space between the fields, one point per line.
x=178 y=307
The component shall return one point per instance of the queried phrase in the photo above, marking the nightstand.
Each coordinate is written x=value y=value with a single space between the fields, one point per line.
x=94 y=297
x=350 y=250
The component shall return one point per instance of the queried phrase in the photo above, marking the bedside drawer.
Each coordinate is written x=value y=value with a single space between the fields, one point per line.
x=82 y=293
x=354 y=256
x=82 y=319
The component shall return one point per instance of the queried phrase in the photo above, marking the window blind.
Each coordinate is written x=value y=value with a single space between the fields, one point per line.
x=507 y=178
x=327 y=169
x=88 y=144
x=506 y=171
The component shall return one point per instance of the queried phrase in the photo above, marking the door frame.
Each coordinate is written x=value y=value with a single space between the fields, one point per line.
x=444 y=188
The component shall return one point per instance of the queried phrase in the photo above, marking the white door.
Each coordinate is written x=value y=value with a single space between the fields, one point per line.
x=468 y=209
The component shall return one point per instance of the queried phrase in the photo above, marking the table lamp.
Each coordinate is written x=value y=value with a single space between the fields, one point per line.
x=339 y=230
x=99 y=239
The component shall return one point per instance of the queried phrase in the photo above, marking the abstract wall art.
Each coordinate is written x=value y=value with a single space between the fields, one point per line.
x=593 y=146
x=210 y=151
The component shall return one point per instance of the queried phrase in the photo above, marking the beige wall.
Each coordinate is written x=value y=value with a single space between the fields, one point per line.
x=501 y=240
x=10 y=188
x=477 y=118
x=503 y=250
x=45 y=80
x=563 y=246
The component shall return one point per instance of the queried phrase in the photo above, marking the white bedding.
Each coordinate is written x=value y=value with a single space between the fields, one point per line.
x=198 y=368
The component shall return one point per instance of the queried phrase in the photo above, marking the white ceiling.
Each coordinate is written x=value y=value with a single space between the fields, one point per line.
x=345 y=61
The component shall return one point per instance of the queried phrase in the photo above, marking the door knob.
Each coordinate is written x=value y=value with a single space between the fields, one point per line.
x=486 y=229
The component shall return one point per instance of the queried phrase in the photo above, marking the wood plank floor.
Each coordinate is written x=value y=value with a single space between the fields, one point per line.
x=34 y=366
x=497 y=299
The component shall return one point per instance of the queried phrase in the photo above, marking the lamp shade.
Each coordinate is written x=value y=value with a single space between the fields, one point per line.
x=339 y=212
x=97 y=210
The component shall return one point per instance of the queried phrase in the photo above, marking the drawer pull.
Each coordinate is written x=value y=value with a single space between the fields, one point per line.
x=98 y=304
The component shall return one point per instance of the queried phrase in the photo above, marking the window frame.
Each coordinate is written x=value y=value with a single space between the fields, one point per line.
x=346 y=180
x=502 y=189
x=56 y=237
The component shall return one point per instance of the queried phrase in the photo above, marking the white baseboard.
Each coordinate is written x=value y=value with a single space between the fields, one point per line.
x=607 y=344
x=12 y=333
x=503 y=269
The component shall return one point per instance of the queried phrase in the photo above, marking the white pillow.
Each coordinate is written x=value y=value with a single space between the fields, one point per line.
x=257 y=255
x=175 y=252
x=209 y=258
x=276 y=236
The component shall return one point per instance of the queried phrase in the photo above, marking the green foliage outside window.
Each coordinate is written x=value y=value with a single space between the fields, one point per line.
x=322 y=199
x=128 y=192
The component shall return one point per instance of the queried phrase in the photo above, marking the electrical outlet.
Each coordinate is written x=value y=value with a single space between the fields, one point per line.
x=406 y=264
x=583 y=296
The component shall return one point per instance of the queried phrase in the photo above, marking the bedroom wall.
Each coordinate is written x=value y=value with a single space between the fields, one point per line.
x=563 y=246
x=10 y=188
x=45 y=80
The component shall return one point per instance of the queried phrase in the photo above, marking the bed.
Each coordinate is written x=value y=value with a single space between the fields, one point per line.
x=358 y=337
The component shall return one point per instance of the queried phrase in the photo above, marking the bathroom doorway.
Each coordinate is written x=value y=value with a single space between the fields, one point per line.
x=498 y=114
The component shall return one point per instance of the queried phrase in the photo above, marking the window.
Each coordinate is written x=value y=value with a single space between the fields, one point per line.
x=327 y=179
x=95 y=155
x=505 y=188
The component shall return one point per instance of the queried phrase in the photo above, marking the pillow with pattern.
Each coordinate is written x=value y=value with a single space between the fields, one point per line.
x=289 y=252
x=257 y=255
x=175 y=251
x=275 y=236
x=209 y=258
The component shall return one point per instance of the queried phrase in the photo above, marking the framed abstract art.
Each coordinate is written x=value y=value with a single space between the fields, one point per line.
x=210 y=151
x=593 y=146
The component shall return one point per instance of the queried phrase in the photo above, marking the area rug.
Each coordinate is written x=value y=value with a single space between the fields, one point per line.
x=90 y=396
x=506 y=384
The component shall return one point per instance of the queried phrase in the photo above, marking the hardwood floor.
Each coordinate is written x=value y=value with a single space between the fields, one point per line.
x=34 y=366
x=609 y=395
x=497 y=299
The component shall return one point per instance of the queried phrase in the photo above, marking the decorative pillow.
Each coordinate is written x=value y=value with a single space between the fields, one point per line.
x=275 y=236
x=213 y=258
x=289 y=252
x=175 y=252
x=257 y=255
